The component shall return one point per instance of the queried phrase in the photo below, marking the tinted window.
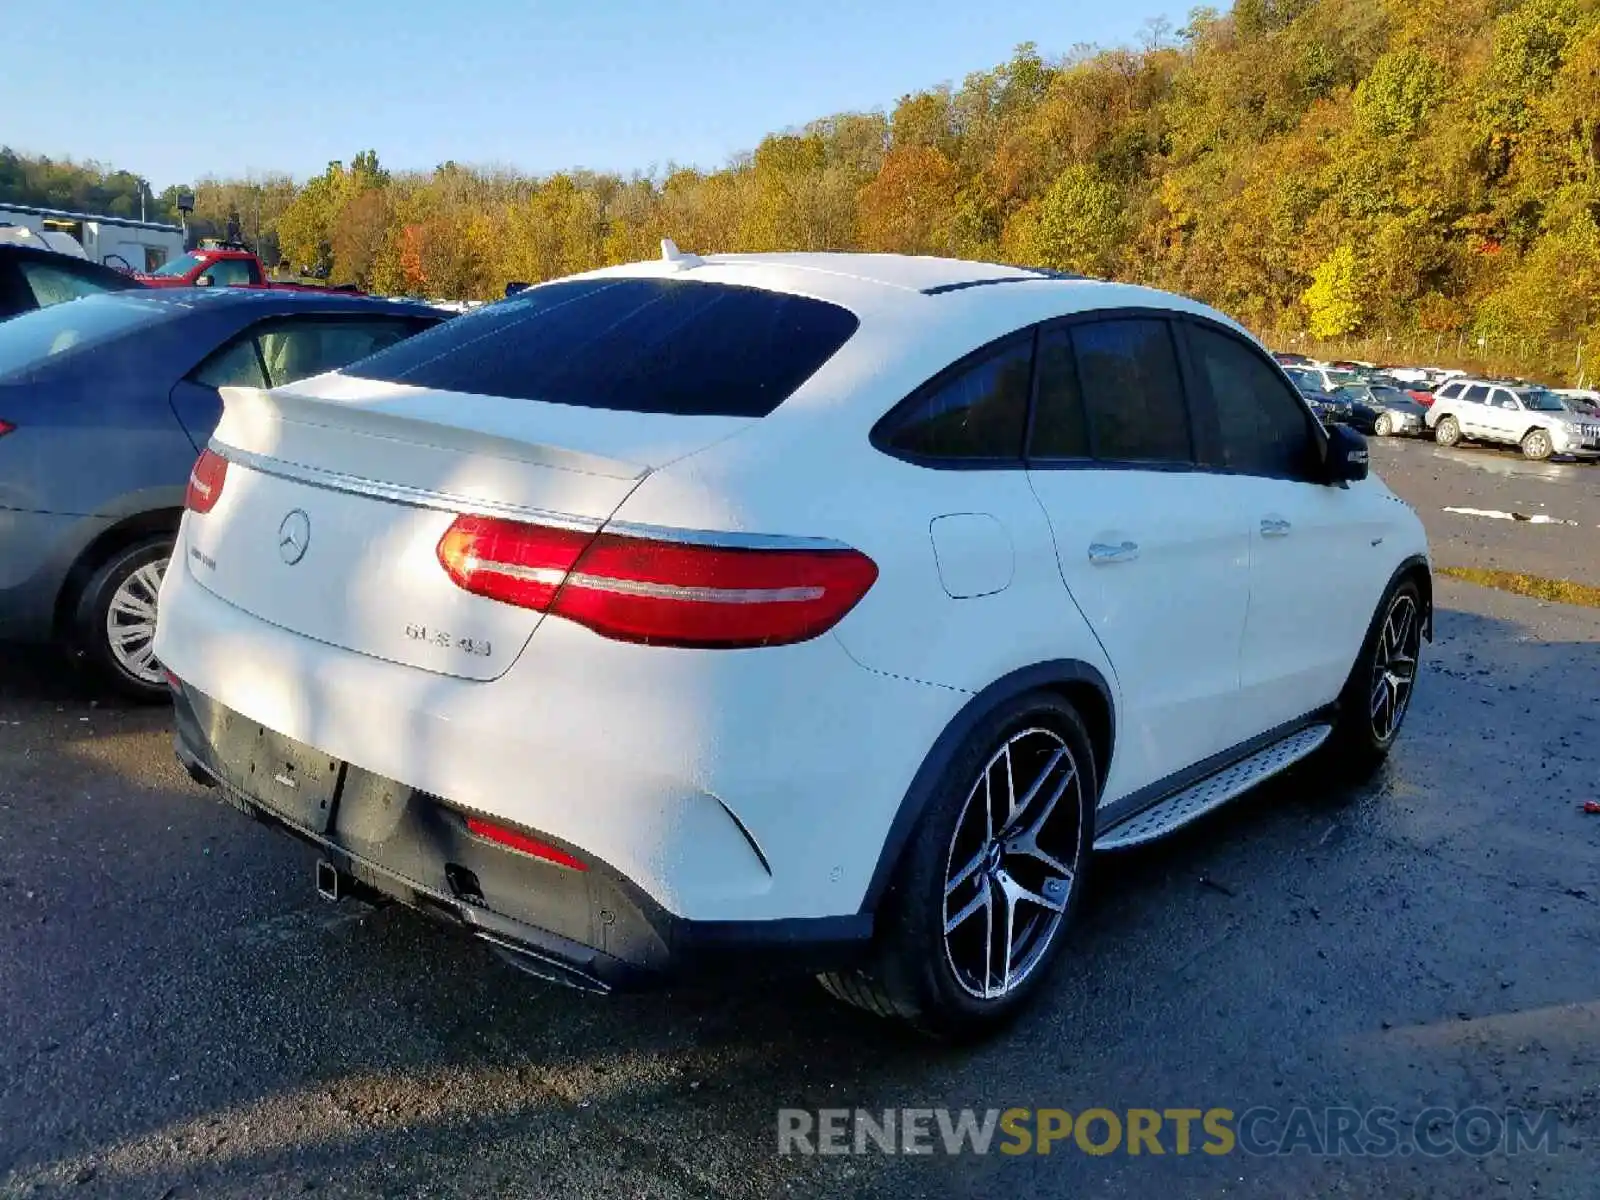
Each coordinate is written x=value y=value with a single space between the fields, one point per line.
x=636 y=345
x=52 y=285
x=977 y=413
x=1476 y=394
x=1262 y=424
x=1131 y=390
x=32 y=339
x=1060 y=427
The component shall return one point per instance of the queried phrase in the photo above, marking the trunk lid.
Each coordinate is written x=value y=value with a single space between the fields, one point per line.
x=339 y=489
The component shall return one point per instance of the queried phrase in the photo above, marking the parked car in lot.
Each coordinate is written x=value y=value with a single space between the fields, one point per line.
x=1383 y=410
x=652 y=622
x=1583 y=401
x=226 y=266
x=1328 y=406
x=33 y=278
x=1492 y=411
x=1326 y=380
x=1407 y=375
x=104 y=404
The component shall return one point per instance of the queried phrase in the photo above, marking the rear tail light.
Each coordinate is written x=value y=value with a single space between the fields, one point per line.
x=205 y=482
x=515 y=839
x=6 y=427
x=662 y=593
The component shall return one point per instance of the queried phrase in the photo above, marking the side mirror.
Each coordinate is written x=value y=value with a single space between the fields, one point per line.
x=1346 y=455
x=203 y=281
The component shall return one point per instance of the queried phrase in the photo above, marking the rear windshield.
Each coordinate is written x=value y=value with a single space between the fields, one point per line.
x=632 y=345
x=35 y=338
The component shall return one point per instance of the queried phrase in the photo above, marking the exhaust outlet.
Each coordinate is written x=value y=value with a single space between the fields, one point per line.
x=331 y=884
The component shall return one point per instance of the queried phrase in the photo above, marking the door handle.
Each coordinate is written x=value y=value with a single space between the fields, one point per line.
x=1103 y=552
x=1274 y=527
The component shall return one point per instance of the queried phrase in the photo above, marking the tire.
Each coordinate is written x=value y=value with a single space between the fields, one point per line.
x=956 y=883
x=1382 y=426
x=114 y=598
x=1536 y=445
x=1447 y=432
x=1367 y=724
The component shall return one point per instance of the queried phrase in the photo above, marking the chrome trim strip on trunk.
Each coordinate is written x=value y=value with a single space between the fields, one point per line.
x=399 y=493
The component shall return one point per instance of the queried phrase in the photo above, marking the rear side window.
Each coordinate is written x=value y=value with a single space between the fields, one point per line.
x=235 y=365
x=289 y=349
x=631 y=345
x=298 y=348
x=1262 y=426
x=1132 y=392
x=977 y=413
x=1476 y=393
x=1060 y=426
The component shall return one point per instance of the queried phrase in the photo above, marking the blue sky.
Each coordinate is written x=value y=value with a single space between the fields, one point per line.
x=172 y=91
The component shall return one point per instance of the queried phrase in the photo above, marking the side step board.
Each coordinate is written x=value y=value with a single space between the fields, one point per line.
x=1213 y=791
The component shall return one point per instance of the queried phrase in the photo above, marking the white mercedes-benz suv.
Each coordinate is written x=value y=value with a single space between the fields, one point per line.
x=788 y=611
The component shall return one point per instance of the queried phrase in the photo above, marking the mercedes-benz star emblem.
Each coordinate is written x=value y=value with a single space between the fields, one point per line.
x=294 y=537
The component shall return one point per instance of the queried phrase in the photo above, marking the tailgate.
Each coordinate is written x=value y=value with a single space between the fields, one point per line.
x=330 y=515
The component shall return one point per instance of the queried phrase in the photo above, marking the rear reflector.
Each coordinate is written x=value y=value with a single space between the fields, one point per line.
x=516 y=840
x=205 y=482
x=662 y=593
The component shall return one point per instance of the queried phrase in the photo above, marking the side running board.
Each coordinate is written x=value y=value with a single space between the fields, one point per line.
x=1213 y=791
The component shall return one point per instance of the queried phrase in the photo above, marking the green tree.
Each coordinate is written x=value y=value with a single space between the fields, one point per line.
x=1334 y=301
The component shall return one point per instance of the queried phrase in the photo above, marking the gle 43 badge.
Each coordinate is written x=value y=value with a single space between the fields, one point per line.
x=444 y=640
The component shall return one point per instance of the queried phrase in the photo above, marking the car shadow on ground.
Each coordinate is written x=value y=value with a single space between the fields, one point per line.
x=257 y=1042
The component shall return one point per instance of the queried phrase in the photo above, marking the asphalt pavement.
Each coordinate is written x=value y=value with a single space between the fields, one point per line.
x=180 y=1016
x=1533 y=517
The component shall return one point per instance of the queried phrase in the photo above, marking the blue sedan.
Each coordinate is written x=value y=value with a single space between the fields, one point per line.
x=104 y=404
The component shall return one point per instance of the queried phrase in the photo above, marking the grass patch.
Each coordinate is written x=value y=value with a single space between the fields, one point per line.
x=1562 y=591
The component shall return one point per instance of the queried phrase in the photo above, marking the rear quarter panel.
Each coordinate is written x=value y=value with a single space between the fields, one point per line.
x=99 y=439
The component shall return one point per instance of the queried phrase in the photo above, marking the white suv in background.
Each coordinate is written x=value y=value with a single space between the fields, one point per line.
x=813 y=612
x=1531 y=417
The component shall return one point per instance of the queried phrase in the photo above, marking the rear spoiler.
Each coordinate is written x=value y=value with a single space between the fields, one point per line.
x=253 y=420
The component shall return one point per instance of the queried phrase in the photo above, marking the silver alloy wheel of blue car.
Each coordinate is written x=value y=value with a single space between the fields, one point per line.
x=131 y=623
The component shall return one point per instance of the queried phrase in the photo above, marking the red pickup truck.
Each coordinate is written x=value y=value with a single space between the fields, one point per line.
x=224 y=267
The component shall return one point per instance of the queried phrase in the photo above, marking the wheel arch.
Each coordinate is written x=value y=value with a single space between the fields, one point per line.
x=131 y=529
x=1416 y=569
x=1080 y=683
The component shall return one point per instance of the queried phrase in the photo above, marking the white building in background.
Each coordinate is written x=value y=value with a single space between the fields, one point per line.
x=116 y=241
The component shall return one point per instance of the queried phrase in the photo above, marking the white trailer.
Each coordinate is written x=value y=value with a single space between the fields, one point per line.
x=116 y=241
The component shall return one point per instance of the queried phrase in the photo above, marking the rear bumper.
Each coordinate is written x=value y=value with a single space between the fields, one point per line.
x=594 y=929
x=744 y=786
